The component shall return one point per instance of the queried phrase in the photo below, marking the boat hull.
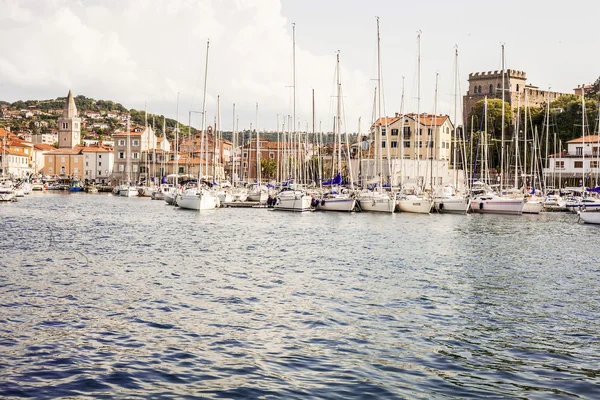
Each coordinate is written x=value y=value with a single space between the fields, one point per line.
x=497 y=205
x=376 y=203
x=334 y=204
x=458 y=205
x=590 y=217
x=193 y=200
x=294 y=201
x=533 y=207
x=417 y=206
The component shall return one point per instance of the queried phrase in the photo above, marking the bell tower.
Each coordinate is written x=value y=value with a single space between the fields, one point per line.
x=69 y=125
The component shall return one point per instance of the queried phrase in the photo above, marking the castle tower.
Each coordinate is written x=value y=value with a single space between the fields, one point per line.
x=69 y=125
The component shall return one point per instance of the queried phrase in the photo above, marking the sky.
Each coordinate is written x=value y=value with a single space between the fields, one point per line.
x=152 y=52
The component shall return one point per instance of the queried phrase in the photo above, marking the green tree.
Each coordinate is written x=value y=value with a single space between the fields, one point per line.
x=494 y=115
x=268 y=167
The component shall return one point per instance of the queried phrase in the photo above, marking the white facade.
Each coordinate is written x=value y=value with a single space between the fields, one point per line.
x=581 y=158
x=97 y=164
x=15 y=164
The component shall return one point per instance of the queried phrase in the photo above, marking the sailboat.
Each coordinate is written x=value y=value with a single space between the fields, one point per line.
x=337 y=198
x=293 y=197
x=258 y=193
x=128 y=189
x=377 y=200
x=199 y=197
x=413 y=199
x=449 y=199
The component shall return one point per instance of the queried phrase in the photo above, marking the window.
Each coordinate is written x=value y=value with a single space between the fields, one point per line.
x=121 y=168
x=75 y=125
x=121 y=155
x=181 y=170
x=62 y=159
x=245 y=155
x=594 y=164
x=245 y=164
x=100 y=156
x=383 y=131
x=498 y=86
x=87 y=164
x=430 y=144
x=135 y=168
x=271 y=155
x=383 y=145
x=65 y=125
x=121 y=142
x=407 y=132
x=578 y=164
x=579 y=151
x=491 y=88
x=420 y=131
x=143 y=169
x=136 y=142
x=517 y=87
x=49 y=158
x=407 y=144
x=394 y=144
x=394 y=132
x=76 y=159
x=480 y=89
x=136 y=156
x=99 y=164
x=429 y=131
x=420 y=143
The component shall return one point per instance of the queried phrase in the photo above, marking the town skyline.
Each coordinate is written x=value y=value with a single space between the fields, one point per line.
x=111 y=52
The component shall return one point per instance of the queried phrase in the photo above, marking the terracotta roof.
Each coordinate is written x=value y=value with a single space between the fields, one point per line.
x=386 y=121
x=95 y=149
x=5 y=133
x=429 y=119
x=43 y=146
x=588 y=139
x=14 y=152
x=130 y=134
x=75 y=150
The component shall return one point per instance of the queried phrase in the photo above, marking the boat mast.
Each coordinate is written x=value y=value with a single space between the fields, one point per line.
x=128 y=166
x=583 y=139
x=418 y=130
x=380 y=141
x=517 y=127
x=402 y=171
x=454 y=156
x=547 y=139
x=433 y=136
x=293 y=130
x=502 y=128
x=338 y=119
x=233 y=146
x=177 y=145
x=258 y=175
x=204 y=165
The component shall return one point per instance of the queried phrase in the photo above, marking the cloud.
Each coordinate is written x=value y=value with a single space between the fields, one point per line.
x=136 y=51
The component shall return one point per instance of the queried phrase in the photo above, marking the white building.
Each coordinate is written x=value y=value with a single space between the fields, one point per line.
x=582 y=158
x=98 y=163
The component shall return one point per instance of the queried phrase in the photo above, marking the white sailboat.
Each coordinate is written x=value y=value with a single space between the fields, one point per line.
x=293 y=197
x=413 y=199
x=449 y=199
x=377 y=200
x=337 y=198
x=199 y=197
x=127 y=189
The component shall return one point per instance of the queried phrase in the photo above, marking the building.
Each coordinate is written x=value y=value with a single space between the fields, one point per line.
x=128 y=151
x=516 y=89
x=280 y=152
x=413 y=136
x=38 y=158
x=69 y=125
x=15 y=155
x=98 y=163
x=581 y=158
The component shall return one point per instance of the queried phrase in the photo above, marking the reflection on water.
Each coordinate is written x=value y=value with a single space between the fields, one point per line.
x=107 y=296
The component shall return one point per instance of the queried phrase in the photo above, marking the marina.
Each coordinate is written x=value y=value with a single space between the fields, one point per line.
x=150 y=300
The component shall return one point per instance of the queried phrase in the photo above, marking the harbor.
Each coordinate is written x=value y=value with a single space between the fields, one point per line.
x=143 y=299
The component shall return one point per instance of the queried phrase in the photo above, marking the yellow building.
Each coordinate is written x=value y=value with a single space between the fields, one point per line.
x=412 y=136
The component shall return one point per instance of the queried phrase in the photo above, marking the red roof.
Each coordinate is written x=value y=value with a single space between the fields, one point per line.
x=588 y=139
x=43 y=146
x=386 y=121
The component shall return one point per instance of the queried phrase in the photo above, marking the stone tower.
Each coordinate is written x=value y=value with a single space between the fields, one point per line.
x=69 y=125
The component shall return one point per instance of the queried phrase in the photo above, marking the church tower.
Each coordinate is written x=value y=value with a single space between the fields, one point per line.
x=69 y=125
